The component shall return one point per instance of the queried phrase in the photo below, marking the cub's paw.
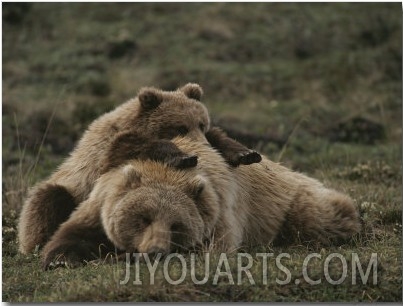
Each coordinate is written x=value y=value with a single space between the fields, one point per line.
x=183 y=162
x=243 y=158
x=249 y=157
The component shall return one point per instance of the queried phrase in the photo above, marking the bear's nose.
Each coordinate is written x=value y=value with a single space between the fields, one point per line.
x=156 y=239
x=153 y=251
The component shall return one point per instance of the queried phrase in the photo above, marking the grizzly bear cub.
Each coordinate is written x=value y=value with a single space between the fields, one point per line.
x=149 y=207
x=138 y=129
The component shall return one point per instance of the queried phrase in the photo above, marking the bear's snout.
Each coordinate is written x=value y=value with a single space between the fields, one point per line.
x=156 y=239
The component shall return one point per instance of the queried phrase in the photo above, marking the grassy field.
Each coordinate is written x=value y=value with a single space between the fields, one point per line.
x=315 y=86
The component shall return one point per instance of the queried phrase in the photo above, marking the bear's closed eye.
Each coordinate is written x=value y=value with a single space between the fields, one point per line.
x=177 y=227
x=182 y=130
x=145 y=220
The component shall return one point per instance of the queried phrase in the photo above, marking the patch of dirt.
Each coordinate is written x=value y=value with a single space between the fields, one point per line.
x=59 y=135
x=121 y=48
x=357 y=130
x=250 y=139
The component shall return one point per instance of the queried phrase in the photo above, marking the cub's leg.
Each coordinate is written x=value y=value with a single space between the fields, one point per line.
x=129 y=145
x=78 y=239
x=233 y=152
x=47 y=206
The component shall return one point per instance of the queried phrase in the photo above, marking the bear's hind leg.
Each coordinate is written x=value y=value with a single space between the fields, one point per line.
x=319 y=216
x=344 y=219
x=47 y=206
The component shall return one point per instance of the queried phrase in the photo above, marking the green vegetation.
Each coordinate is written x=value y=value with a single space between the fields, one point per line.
x=325 y=79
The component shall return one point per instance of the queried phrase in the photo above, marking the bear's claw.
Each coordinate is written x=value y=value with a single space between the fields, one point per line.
x=57 y=263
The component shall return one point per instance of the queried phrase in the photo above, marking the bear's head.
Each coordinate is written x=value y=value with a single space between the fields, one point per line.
x=166 y=114
x=152 y=208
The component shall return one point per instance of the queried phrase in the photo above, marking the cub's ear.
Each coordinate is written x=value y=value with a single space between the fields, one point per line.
x=150 y=98
x=132 y=177
x=192 y=91
x=196 y=187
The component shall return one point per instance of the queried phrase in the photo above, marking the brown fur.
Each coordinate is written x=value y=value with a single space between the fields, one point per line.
x=129 y=145
x=141 y=129
x=50 y=206
x=234 y=152
x=145 y=206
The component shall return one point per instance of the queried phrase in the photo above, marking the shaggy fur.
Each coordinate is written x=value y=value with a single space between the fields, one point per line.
x=51 y=205
x=146 y=206
x=138 y=129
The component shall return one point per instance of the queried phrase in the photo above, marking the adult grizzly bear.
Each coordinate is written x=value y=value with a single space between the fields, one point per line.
x=146 y=206
x=140 y=128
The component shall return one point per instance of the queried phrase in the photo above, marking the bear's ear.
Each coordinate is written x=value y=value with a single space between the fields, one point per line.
x=196 y=187
x=132 y=177
x=192 y=91
x=150 y=98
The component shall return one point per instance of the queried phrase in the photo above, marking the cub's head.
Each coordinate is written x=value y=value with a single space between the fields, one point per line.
x=156 y=209
x=167 y=114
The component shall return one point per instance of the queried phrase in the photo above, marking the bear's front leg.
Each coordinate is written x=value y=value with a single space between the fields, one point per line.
x=73 y=244
x=129 y=145
x=78 y=239
x=233 y=152
x=167 y=152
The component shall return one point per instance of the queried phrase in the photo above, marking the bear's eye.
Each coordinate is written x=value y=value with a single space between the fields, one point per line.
x=177 y=227
x=198 y=192
x=183 y=130
x=201 y=127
